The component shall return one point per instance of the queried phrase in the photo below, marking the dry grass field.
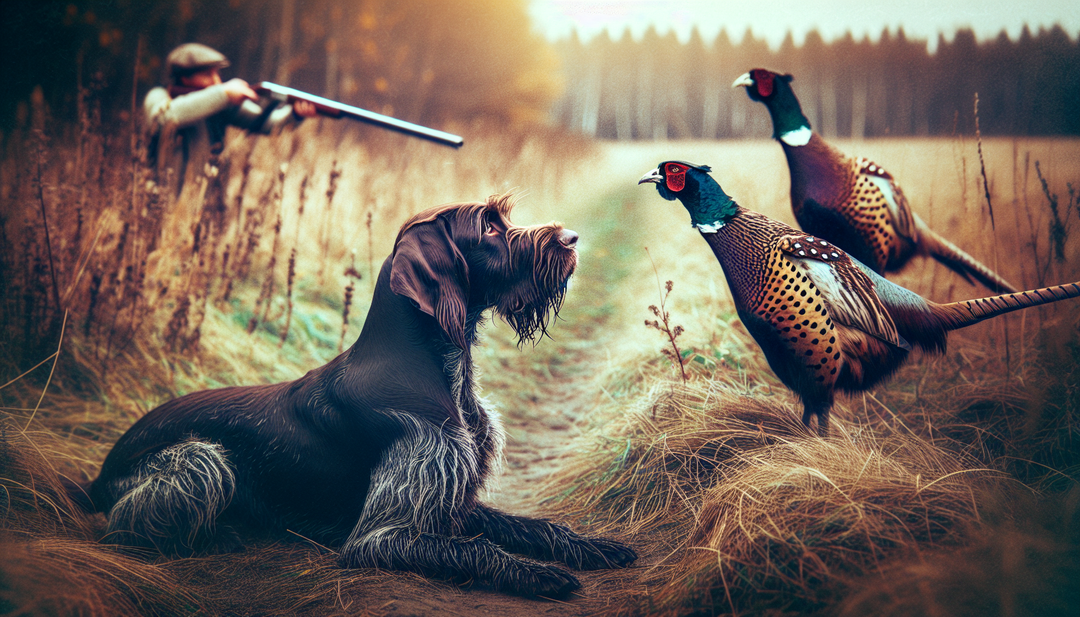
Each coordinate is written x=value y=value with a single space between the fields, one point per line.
x=952 y=489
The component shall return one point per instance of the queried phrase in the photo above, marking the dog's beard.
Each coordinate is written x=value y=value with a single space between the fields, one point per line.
x=530 y=306
x=530 y=320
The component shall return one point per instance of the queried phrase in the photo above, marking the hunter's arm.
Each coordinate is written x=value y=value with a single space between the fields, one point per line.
x=185 y=110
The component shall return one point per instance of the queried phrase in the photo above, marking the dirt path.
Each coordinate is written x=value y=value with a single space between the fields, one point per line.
x=544 y=394
x=559 y=375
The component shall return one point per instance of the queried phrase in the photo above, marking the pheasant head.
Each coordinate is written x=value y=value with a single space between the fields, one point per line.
x=774 y=90
x=709 y=206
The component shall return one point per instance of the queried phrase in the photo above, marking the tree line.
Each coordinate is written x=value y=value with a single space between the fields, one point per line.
x=427 y=61
x=658 y=87
x=437 y=62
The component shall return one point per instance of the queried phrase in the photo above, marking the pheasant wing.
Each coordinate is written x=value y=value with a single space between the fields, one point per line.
x=848 y=292
x=902 y=219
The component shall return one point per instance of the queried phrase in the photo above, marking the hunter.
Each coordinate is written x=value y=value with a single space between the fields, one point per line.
x=186 y=122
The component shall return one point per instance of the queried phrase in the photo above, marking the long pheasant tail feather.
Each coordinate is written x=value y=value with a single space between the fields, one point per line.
x=952 y=257
x=957 y=315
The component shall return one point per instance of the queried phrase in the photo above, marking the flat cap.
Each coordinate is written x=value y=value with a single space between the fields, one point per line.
x=194 y=57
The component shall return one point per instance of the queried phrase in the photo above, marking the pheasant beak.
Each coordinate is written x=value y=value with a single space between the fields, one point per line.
x=653 y=176
x=743 y=80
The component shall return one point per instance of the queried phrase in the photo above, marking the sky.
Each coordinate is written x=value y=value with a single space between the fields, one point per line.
x=921 y=19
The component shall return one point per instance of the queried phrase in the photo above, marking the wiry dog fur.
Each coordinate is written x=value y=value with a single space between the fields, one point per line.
x=382 y=451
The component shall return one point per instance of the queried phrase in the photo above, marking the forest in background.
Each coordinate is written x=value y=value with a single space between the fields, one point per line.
x=451 y=63
x=427 y=61
x=660 y=88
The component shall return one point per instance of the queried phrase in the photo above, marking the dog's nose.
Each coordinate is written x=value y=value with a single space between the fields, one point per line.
x=568 y=238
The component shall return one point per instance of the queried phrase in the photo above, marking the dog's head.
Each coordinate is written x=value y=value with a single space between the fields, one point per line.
x=456 y=260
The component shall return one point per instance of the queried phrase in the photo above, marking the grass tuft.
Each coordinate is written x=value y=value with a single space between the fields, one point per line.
x=757 y=514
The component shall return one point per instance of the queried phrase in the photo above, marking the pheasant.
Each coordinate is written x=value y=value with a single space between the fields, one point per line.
x=825 y=321
x=853 y=202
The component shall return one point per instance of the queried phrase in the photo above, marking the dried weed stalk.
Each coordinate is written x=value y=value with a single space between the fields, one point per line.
x=663 y=324
x=982 y=166
x=235 y=250
x=370 y=250
x=993 y=228
x=288 y=297
x=352 y=273
x=349 y=288
x=324 y=237
x=291 y=274
x=266 y=294
x=1059 y=228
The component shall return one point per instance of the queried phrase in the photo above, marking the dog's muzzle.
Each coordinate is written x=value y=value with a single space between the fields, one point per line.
x=568 y=238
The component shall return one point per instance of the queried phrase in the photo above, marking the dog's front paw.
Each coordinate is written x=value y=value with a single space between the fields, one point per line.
x=598 y=553
x=535 y=579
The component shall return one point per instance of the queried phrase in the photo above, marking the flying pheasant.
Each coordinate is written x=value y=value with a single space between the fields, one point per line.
x=853 y=202
x=825 y=321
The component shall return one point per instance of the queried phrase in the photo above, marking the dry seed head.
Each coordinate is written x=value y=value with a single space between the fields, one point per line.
x=292 y=269
x=331 y=188
x=303 y=198
x=345 y=315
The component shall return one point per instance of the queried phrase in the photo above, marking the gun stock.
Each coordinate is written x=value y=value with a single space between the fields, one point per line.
x=335 y=109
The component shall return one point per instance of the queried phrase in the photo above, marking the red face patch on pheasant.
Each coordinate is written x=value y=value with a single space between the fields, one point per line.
x=764 y=81
x=675 y=176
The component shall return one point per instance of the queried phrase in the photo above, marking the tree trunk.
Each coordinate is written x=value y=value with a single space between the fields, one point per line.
x=285 y=37
x=828 y=106
x=858 y=107
x=644 y=96
x=333 y=51
x=590 y=106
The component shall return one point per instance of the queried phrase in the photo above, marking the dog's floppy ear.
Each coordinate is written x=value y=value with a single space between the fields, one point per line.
x=429 y=269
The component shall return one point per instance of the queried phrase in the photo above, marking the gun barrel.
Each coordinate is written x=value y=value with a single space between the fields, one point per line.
x=334 y=108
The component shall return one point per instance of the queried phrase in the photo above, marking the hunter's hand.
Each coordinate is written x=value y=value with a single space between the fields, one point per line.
x=304 y=109
x=237 y=90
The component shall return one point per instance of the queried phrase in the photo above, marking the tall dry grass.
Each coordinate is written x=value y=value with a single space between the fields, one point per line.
x=744 y=511
x=139 y=270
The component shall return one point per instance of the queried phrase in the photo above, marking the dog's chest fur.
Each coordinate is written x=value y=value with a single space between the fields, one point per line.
x=482 y=422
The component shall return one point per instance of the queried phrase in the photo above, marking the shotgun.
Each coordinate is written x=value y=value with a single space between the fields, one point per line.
x=333 y=109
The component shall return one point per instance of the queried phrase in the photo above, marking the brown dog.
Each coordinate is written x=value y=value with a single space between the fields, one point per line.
x=382 y=451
